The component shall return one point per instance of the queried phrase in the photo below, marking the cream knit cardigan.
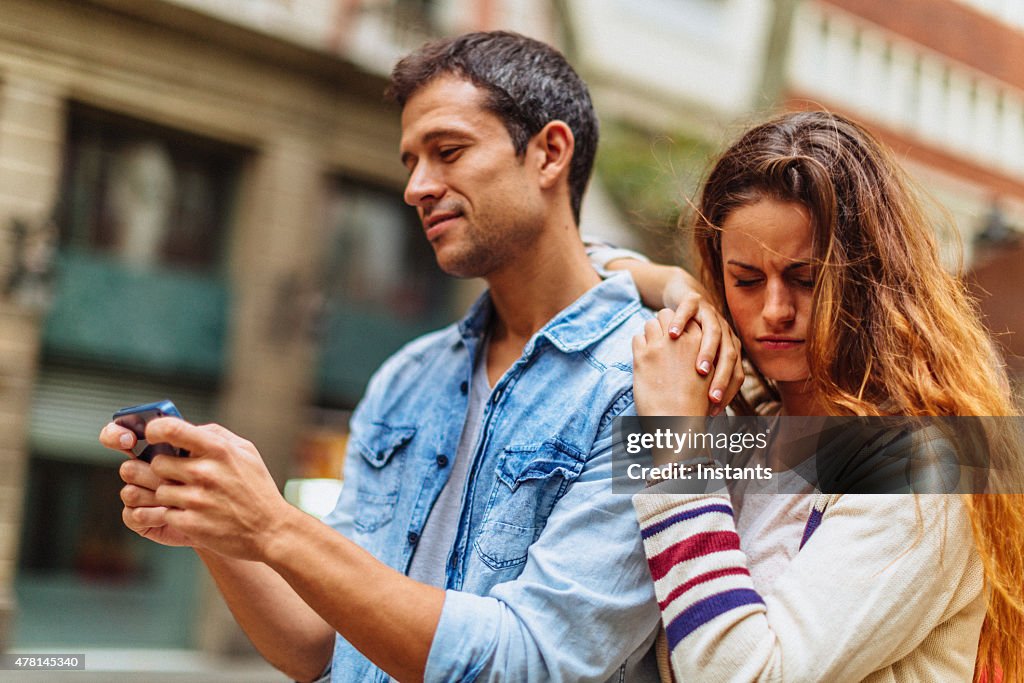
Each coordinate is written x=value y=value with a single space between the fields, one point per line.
x=884 y=588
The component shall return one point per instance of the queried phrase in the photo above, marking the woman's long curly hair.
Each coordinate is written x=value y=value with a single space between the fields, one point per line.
x=892 y=332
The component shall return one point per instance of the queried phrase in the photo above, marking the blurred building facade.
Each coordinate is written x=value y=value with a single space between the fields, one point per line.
x=201 y=200
x=940 y=81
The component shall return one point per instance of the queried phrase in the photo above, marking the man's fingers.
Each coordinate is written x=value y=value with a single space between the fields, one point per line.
x=177 y=432
x=139 y=473
x=118 y=438
x=179 y=496
x=137 y=496
x=139 y=519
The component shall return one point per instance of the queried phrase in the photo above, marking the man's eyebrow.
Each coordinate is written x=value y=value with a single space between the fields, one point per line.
x=436 y=134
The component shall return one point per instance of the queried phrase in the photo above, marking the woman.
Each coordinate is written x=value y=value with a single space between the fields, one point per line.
x=824 y=263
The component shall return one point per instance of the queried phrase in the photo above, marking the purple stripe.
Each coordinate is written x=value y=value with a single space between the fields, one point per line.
x=647 y=532
x=812 y=523
x=703 y=611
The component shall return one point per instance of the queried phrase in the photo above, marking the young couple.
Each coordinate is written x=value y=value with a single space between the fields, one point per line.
x=477 y=536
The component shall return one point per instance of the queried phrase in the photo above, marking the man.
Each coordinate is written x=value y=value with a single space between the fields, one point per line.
x=480 y=539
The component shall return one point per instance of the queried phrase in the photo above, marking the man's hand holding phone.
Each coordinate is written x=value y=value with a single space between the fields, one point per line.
x=126 y=433
x=221 y=497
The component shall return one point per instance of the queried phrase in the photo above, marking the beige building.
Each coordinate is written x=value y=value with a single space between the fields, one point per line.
x=199 y=200
x=191 y=208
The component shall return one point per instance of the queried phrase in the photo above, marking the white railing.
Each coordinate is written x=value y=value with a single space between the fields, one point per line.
x=909 y=88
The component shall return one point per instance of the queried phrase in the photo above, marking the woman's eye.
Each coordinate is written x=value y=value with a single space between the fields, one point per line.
x=805 y=282
x=746 y=283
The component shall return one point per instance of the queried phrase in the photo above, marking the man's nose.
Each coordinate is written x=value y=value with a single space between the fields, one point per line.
x=779 y=305
x=424 y=187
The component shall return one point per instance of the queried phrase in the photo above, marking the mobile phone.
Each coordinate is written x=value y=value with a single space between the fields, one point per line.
x=136 y=418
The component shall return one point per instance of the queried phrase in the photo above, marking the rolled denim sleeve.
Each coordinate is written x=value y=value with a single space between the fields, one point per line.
x=583 y=603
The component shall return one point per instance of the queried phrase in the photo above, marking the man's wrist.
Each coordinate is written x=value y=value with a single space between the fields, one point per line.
x=277 y=541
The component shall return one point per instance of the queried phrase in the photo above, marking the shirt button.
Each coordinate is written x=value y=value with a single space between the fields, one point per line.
x=442 y=460
x=464 y=388
x=413 y=537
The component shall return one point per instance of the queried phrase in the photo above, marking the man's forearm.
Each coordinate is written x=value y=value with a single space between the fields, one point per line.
x=384 y=614
x=285 y=630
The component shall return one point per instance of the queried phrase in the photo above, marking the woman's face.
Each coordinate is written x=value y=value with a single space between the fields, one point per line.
x=767 y=261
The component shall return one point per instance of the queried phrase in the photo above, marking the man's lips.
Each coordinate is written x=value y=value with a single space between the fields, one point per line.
x=779 y=343
x=436 y=223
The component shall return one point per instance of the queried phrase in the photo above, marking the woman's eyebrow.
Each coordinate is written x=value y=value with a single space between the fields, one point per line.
x=745 y=266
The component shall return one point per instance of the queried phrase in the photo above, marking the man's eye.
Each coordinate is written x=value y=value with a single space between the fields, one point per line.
x=450 y=153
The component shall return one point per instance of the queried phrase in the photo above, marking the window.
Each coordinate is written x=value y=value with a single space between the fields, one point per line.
x=378 y=258
x=144 y=193
x=381 y=283
x=143 y=217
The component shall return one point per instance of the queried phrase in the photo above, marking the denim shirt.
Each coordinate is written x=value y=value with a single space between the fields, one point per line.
x=547 y=578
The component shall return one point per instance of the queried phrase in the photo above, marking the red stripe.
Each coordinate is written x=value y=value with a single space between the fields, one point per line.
x=703 y=578
x=694 y=546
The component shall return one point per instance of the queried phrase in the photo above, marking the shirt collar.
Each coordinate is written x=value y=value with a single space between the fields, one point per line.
x=583 y=323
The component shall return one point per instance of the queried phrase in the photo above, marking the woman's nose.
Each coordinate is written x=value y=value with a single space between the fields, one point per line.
x=779 y=305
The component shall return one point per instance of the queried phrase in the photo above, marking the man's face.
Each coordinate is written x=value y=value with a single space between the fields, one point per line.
x=480 y=204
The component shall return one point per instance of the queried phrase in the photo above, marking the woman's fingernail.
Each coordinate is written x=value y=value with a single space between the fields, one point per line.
x=126 y=441
x=716 y=395
x=704 y=367
x=674 y=331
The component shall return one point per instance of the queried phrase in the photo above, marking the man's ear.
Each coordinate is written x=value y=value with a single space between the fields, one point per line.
x=555 y=144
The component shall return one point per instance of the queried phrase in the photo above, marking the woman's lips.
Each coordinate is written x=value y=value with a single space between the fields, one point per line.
x=779 y=343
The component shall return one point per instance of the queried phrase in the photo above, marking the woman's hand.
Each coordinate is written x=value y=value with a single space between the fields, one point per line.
x=665 y=381
x=719 y=350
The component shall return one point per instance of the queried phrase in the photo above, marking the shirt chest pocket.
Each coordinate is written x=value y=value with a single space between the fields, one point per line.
x=530 y=480
x=381 y=448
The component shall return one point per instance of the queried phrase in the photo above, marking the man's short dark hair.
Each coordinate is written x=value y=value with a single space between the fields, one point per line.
x=528 y=85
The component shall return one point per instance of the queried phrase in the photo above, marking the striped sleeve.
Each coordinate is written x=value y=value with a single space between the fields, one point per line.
x=894 y=577
x=701 y=578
